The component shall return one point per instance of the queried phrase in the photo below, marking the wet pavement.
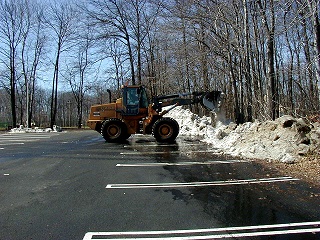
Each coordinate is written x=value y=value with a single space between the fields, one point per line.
x=239 y=204
x=75 y=186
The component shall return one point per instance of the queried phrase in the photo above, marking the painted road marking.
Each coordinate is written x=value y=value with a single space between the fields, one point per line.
x=160 y=145
x=27 y=135
x=22 y=137
x=144 y=153
x=166 y=152
x=228 y=232
x=9 y=144
x=17 y=140
x=179 y=163
x=200 y=184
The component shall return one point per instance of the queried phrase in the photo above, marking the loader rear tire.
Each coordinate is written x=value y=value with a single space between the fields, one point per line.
x=165 y=130
x=114 y=130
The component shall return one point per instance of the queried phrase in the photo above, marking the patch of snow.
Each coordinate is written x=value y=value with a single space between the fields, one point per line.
x=22 y=129
x=286 y=139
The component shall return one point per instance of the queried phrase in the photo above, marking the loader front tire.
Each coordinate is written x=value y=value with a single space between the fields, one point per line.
x=165 y=130
x=114 y=130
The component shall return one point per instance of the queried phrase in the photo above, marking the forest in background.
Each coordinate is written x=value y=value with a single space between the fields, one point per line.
x=57 y=58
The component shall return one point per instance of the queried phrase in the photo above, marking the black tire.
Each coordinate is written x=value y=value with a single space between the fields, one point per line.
x=114 y=130
x=165 y=130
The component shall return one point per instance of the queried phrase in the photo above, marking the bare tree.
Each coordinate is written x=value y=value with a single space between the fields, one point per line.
x=31 y=53
x=136 y=23
x=118 y=72
x=268 y=19
x=81 y=66
x=13 y=24
x=264 y=52
x=314 y=7
x=61 y=21
x=111 y=20
x=126 y=23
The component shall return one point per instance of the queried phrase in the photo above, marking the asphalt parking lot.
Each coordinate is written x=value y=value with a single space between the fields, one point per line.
x=73 y=185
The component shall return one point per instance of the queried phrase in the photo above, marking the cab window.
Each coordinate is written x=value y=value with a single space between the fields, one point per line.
x=143 y=98
x=132 y=96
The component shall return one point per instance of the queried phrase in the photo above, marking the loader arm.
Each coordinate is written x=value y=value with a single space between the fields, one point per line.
x=210 y=100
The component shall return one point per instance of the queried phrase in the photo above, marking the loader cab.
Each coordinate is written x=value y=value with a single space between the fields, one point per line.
x=134 y=98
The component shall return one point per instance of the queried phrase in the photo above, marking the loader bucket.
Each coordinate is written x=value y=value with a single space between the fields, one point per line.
x=213 y=100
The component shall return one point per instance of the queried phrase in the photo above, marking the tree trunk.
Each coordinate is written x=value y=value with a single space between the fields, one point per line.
x=13 y=96
x=54 y=93
x=131 y=58
x=247 y=47
x=314 y=8
x=270 y=31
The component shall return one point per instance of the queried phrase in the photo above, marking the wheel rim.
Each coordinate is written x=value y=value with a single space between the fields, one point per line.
x=114 y=131
x=165 y=130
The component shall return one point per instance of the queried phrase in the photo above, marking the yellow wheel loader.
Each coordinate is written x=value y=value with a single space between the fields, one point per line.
x=132 y=113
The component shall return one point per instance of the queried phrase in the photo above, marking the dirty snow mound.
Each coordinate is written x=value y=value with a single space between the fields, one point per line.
x=286 y=139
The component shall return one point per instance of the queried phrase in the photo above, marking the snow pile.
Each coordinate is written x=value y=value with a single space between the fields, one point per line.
x=22 y=129
x=286 y=139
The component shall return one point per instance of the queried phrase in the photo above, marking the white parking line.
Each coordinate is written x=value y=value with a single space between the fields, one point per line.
x=9 y=144
x=19 y=140
x=200 y=184
x=166 y=152
x=23 y=137
x=179 y=163
x=147 y=153
x=270 y=230
x=160 y=145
